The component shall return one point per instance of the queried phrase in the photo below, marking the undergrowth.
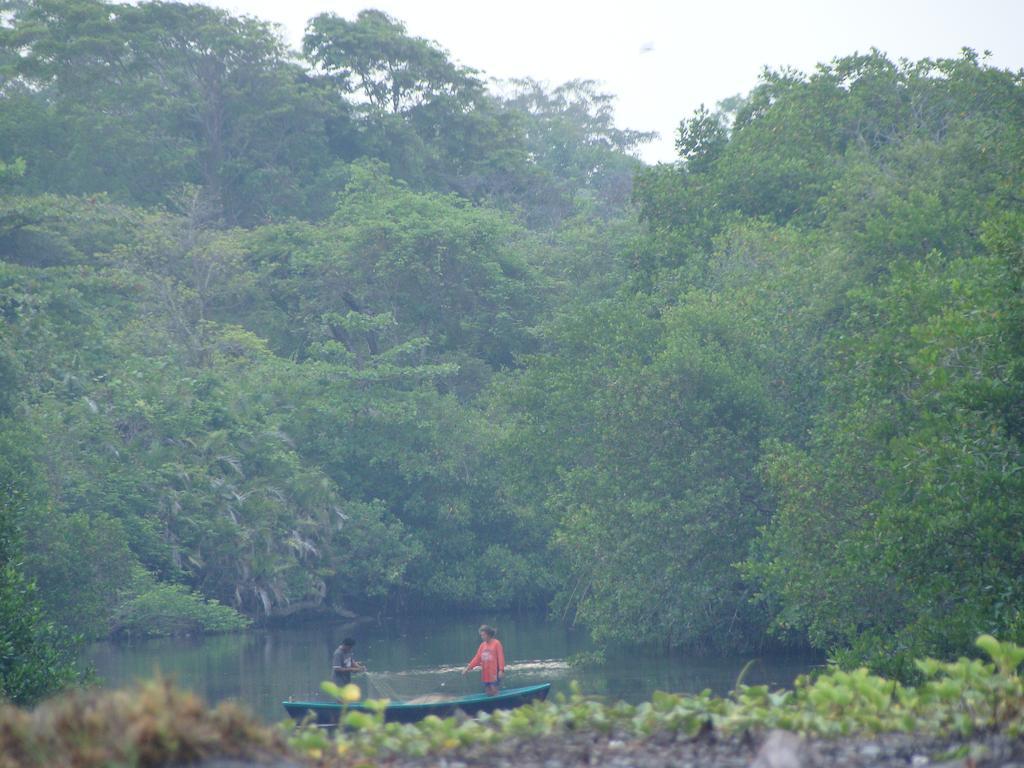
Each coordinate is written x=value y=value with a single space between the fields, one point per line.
x=157 y=724
x=152 y=724
x=960 y=698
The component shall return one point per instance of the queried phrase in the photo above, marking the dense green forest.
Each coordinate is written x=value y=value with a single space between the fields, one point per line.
x=350 y=329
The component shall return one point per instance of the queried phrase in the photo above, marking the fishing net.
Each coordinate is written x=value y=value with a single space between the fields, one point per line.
x=427 y=685
x=408 y=688
x=379 y=688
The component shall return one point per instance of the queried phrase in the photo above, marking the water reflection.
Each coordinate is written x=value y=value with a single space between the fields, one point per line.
x=419 y=656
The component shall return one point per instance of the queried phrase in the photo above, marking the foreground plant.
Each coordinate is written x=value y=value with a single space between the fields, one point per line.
x=152 y=724
x=156 y=724
x=960 y=698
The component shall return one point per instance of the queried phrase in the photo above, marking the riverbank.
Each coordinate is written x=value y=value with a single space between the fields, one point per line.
x=159 y=725
x=419 y=655
x=774 y=749
x=964 y=714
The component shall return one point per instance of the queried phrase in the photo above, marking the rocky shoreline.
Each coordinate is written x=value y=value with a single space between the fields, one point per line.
x=156 y=724
x=775 y=749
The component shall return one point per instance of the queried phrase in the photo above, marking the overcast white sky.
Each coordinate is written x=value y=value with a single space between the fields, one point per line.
x=663 y=59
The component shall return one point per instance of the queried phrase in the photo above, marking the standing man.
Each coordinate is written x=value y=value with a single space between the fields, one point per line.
x=490 y=657
x=344 y=663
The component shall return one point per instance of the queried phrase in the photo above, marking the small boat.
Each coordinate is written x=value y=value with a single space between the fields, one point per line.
x=326 y=713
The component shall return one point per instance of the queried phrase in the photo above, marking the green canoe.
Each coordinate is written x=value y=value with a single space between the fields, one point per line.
x=327 y=713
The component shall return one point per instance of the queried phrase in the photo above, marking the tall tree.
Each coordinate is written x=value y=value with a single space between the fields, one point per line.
x=141 y=100
x=376 y=59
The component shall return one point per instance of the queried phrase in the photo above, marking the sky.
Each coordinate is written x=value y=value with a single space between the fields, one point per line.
x=663 y=59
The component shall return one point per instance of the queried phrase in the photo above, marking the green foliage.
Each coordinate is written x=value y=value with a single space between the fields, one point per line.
x=50 y=230
x=574 y=146
x=438 y=267
x=12 y=170
x=81 y=563
x=374 y=56
x=272 y=478
x=36 y=657
x=701 y=139
x=890 y=157
x=152 y=723
x=961 y=698
x=840 y=215
x=644 y=432
x=302 y=333
x=432 y=122
x=171 y=609
x=893 y=520
x=155 y=723
x=140 y=100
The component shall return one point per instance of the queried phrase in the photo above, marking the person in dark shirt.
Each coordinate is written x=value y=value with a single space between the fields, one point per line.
x=344 y=663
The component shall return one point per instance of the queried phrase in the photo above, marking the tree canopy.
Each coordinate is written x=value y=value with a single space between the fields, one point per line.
x=286 y=332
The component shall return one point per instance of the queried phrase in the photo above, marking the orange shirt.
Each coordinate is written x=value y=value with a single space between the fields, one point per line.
x=490 y=657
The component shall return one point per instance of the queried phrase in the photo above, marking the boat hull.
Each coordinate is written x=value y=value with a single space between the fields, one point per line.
x=327 y=713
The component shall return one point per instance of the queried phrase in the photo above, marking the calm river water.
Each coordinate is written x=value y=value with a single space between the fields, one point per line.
x=261 y=668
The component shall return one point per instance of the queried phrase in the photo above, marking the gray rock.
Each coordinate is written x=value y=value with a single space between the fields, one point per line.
x=781 y=749
x=232 y=763
x=871 y=750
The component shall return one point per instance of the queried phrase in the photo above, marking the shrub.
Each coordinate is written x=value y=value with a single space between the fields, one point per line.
x=171 y=609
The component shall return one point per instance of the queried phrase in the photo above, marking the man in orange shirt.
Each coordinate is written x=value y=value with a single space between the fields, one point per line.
x=490 y=657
